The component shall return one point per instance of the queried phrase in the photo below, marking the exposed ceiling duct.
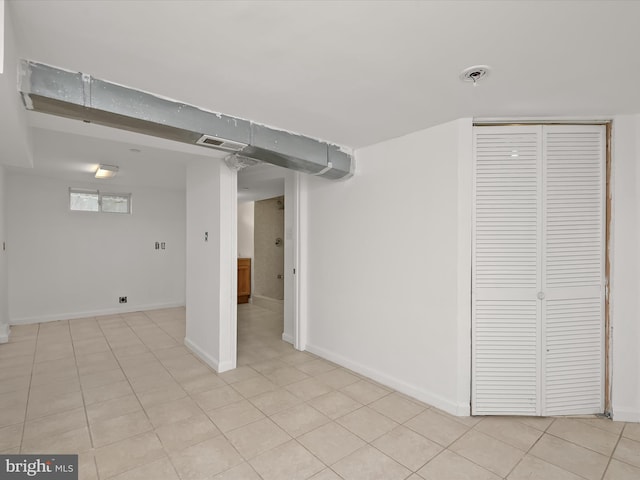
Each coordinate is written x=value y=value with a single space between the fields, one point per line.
x=79 y=96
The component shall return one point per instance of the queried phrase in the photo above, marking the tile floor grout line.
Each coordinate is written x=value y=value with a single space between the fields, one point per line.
x=578 y=445
x=26 y=407
x=84 y=405
x=273 y=353
x=202 y=409
x=153 y=428
x=612 y=453
x=137 y=398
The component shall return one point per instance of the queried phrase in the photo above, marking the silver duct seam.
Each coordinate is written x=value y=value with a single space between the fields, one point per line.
x=80 y=96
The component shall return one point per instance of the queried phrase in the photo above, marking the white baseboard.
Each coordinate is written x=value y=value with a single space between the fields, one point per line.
x=92 y=313
x=401 y=386
x=201 y=354
x=4 y=333
x=626 y=414
x=287 y=338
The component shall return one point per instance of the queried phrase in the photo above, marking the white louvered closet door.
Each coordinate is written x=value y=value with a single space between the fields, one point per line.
x=506 y=266
x=538 y=253
x=573 y=269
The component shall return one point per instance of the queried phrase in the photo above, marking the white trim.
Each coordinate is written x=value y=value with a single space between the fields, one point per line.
x=294 y=338
x=201 y=354
x=5 y=330
x=449 y=406
x=626 y=415
x=228 y=326
x=465 y=208
x=300 y=326
x=91 y=313
x=598 y=119
x=287 y=338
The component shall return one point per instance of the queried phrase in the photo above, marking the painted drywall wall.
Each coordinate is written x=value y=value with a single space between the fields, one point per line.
x=268 y=255
x=14 y=134
x=211 y=274
x=1 y=36
x=4 y=300
x=65 y=264
x=382 y=265
x=625 y=269
x=291 y=181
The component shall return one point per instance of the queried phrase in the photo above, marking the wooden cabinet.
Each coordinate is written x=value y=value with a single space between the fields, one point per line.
x=244 y=280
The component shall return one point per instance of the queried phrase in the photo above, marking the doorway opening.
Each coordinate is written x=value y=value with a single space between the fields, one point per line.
x=267 y=226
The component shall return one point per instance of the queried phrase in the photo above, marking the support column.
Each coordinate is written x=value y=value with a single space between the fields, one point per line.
x=211 y=263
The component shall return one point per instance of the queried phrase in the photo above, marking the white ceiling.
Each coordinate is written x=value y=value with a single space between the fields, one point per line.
x=350 y=72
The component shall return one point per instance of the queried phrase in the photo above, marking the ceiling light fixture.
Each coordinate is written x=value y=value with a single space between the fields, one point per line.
x=106 y=171
x=475 y=73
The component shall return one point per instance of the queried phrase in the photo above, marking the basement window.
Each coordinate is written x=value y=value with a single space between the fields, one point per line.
x=83 y=200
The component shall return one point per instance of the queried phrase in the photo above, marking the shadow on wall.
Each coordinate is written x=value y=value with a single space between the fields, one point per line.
x=269 y=248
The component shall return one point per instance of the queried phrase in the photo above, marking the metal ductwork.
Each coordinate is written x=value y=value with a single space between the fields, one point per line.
x=79 y=96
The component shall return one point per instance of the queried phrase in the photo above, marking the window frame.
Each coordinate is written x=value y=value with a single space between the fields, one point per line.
x=101 y=194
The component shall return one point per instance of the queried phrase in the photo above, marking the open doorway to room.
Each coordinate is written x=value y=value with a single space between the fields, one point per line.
x=268 y=265
x=265 y=259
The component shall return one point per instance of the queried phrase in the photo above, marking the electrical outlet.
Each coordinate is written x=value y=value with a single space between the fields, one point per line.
x=122 y=299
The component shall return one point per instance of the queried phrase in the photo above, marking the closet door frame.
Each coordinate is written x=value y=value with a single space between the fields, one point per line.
x=607 y=228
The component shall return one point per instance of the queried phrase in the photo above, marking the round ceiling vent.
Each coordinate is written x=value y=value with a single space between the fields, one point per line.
x=475 y=73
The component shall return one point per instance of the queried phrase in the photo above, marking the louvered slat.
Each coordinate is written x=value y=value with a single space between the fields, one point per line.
x=573 y=270
x=574 y=195
x=506 y=354
x=573 y=358
x=506 y=271
x=506 y=208
x=538 y=227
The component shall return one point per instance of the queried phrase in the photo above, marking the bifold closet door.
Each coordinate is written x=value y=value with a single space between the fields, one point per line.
x=506 y=270
x=573 y=269
x=538 y=251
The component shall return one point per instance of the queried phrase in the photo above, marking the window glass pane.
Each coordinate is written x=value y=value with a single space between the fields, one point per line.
x=84 y=201
x=112 y=203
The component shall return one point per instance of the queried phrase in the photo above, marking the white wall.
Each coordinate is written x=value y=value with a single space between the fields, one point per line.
x=625 y=269
x=387 y=290
x=245 y=229
x=15 y=140
x=387 y=266
x=291 y=227
x=211 y=264
x=1 y=36
x=4 y=300
x=269 y=257
x=65 y=264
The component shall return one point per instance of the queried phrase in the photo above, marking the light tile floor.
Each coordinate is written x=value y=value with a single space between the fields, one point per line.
x=124 y=393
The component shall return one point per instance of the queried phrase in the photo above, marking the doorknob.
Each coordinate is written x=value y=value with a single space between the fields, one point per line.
x=540 y=295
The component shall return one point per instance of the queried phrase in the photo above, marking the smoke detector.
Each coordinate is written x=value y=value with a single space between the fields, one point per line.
x=475 y=73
